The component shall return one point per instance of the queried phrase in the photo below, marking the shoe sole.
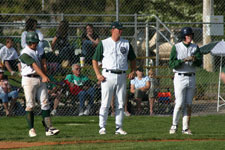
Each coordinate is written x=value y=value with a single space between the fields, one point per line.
x=32 y=135
x=120 y=133
x=54 y=133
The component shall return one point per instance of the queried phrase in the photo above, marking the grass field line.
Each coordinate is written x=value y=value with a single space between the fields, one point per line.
x=16 y=144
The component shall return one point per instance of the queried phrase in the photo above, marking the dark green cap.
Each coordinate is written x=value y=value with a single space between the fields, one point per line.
x=116 y=25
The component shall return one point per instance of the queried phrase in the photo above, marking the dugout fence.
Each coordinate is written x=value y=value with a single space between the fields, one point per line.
x=152 y=42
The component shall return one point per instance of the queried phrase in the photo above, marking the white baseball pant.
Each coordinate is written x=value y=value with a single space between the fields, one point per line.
x=115 y=84
x=184 y=88
x=34 y=88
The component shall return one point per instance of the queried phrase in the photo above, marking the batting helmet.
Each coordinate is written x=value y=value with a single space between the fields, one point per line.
x=32 y=37
x=186 y=31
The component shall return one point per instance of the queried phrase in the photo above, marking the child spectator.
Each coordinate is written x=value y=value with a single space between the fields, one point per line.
x=153 y=91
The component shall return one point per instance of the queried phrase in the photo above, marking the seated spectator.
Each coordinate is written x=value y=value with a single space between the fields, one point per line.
x=139 y=86
x=61 y=45
x=126 y=112
x=54 y=91
x=9 y=57
x=80 y=86
x=6 y=92
x=31 y=25
x=153 y=91
x=89 y=42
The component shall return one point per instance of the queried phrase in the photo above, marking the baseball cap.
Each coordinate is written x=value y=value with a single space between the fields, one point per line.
x=140 y=69
x=117 y=25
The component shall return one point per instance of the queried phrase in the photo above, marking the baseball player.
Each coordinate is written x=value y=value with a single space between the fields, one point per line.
x=114 y=52
x=184 y=58
x=33 y=69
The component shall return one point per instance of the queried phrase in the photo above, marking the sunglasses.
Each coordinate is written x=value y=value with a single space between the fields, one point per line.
x=77 y=69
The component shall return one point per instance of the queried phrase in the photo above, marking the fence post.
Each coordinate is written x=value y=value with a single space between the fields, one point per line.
x=135 y=33
x=157 y=46
x=117 y=10
x=147 y=46
x=62 y=16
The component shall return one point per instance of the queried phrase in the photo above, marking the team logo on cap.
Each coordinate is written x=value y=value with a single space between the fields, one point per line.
x=123 y=50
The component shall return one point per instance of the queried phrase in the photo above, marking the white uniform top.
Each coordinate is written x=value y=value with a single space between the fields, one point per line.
x=23 y=39
x=8 y=53
x=139 y=83
x=183 y=52
x=36 y=55
x=115 y=54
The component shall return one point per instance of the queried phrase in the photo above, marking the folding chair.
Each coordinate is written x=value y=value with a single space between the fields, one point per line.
x=164 y=102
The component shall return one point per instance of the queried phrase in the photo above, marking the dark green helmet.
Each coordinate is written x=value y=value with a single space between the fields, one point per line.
x=32 y=37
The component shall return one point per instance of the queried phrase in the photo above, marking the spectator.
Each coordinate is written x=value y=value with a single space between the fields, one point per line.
x=31 y=25
x=6 y=92
x=53 y=90
x=153 y=91
x=126 y=112
x=9 y=57
x=90 y=41
x=80 y=86
x=139 y=86
x=61 y=44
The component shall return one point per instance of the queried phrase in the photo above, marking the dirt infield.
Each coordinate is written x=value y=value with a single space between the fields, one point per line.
x=13 y=145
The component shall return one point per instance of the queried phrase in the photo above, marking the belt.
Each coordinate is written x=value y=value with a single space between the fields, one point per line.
x=186 y=74
x=32 y=76
x=116 y=71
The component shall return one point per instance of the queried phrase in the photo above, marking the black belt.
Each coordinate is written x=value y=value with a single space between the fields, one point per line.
x=186 y=74
x=32 y=76
x=116 y=71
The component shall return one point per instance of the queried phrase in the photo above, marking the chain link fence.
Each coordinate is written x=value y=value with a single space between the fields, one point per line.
x=152 y=37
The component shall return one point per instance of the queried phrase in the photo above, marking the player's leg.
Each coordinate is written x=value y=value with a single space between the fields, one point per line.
x=188 y=104
x=30 y=85
x=107 y=91
x=120 y=97
x=180 y=92
x=42 y=96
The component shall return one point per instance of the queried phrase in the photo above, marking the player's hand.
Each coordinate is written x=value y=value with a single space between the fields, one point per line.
x=101 y=78
x=45 y=79
x=190 y=58
x=131 y=75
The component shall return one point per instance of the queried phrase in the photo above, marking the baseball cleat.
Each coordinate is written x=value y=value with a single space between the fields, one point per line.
x=187 y=131
x=173 y=129
x=121 y=131
x=102 y=131
x=52 y=131
x=32 y=133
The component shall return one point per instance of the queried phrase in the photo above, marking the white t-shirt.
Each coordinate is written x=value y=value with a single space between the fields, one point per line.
x=139 y=83
x=8 y=53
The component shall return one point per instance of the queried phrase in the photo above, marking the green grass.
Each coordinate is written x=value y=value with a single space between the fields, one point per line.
x=142 y=128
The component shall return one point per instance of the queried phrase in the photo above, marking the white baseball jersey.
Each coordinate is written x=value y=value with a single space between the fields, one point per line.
x=115 y=54
x=36 y=55
x=8 y=53
x=184 y=52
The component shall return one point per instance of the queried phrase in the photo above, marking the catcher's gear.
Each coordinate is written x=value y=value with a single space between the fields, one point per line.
x=32 y=37
x=186 y=31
